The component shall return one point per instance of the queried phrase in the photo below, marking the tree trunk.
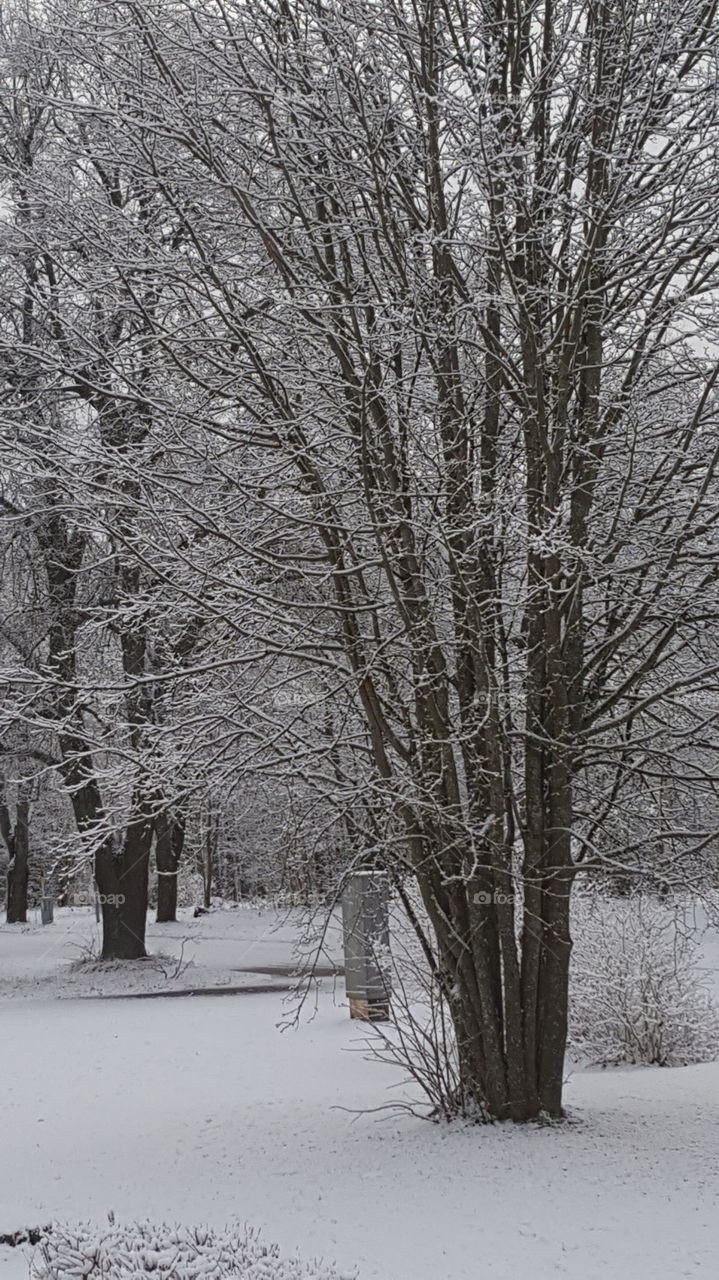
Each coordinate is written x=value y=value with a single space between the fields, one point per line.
x=554 y=998
x=17 y=840
x=19 y=869
x=122 y=881
x=209 y=864
x=169 y=843
x=508 y=997
x=498 y=1079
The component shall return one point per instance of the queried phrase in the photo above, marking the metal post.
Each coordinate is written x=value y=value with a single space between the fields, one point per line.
x=365 y=917
x=47 y=900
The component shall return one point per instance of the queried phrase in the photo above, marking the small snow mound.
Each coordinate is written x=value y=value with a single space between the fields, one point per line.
x=140 y=1249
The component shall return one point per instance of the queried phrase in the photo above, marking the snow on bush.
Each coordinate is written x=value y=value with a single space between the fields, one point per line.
x=139 y=1249
x=638 y=991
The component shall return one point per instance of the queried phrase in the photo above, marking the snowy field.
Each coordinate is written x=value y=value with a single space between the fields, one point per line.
x=241 y=947
x=202 y=1110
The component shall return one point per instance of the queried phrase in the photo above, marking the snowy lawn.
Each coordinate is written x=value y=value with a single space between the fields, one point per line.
x=246 y=946
x=199 y=1109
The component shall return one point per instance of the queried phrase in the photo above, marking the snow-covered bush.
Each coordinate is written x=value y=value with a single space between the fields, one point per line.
x=638 y=991
x=139 y=1249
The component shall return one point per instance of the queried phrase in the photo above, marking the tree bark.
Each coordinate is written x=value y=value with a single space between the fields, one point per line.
x=122 y=881
x=169 y=843
x=511 y=1048
x=17 y=840
x=209 y=862
x=122 y=875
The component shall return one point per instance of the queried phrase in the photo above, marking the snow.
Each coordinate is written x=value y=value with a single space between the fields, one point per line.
x=226 y=948
x=203 y=1110
x=132 y=1251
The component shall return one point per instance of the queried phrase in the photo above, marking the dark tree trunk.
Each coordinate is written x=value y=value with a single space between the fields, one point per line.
x=169 y=843
x=122 y=881
x=508 y=997
x=18 y=845
x=505 y=1073
x=207 y=855
x=208 y=868
x=123 y=877
x=554 y=997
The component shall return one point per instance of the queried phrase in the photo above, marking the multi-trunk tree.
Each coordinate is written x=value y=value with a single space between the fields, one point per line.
x=452 y=270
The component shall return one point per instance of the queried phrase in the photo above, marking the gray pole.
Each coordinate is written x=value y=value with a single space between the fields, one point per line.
x=365 y=918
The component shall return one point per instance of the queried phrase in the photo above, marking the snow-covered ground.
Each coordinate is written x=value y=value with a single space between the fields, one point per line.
x=241 y=947
x=203 y=1110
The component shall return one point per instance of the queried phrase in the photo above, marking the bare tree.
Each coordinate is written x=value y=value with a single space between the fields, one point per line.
x=78 y=414
x=453 y=267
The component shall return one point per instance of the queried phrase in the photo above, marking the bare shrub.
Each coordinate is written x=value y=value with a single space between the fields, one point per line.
x=419 y=1039
x=638 y=991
